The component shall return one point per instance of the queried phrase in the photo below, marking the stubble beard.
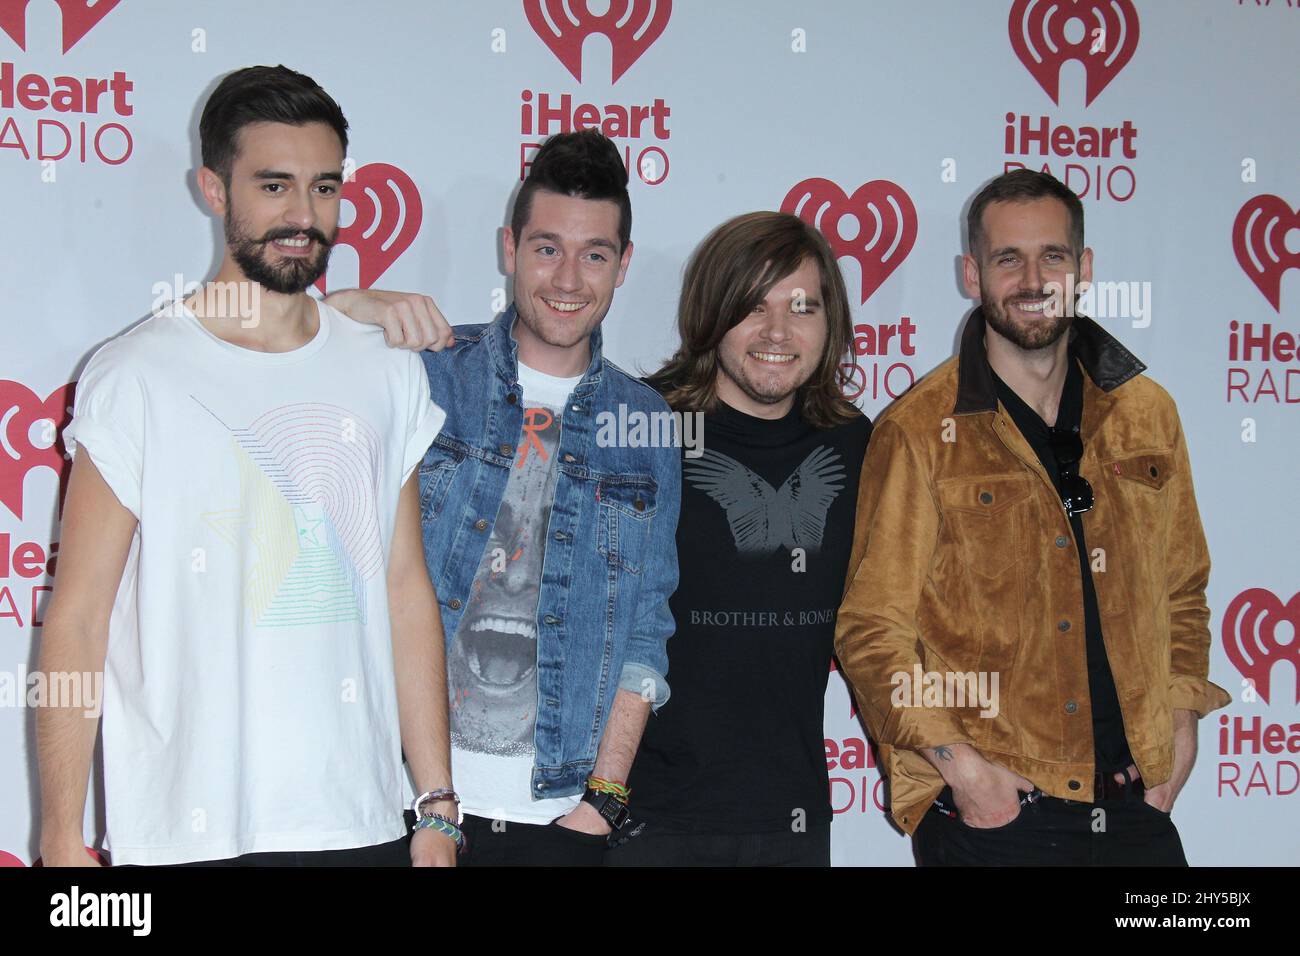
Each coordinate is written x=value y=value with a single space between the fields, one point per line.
x=755 y=390
x=556 y=334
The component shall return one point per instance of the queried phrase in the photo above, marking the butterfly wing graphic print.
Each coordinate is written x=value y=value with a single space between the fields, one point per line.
x=763 y=519
x=745 y=497
x=807 y=496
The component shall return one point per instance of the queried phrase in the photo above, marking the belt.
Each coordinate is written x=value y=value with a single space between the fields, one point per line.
x=1106 y=787
x=945 y=804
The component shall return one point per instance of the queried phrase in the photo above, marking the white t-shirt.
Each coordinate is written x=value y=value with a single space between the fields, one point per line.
x=250 y=701
x=492 y=665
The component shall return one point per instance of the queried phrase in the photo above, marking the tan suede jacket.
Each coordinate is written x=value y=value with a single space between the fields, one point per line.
x=964 y=562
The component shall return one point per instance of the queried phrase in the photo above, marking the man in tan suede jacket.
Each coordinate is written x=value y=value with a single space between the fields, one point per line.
x=1024 y=621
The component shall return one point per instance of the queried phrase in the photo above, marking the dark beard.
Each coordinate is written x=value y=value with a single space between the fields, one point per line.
x=288 y=278
x=1038 y=335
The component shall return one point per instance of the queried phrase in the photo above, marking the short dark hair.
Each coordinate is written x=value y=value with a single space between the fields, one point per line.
x=585 y=164
x=1023 y=185
x=262 y=94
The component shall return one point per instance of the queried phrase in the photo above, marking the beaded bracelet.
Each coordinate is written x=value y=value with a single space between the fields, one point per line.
x=601 y=785
x=436 y=821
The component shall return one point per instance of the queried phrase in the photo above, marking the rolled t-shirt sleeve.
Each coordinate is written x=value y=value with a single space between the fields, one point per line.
x=108 y=422
x=424 y=418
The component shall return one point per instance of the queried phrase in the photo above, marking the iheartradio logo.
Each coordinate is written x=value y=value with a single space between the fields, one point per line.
x=631 y=26
x=1106 y=41
x=388 y=216
x=79 y=18
x=1259 y=241
x=20 y=411
x=886 y=224
x=1251 y=641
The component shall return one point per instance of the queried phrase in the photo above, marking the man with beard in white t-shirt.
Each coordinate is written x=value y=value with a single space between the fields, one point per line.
x=241 y=550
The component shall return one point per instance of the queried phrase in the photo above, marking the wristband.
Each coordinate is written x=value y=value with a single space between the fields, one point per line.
x=446 y=793
x=611 y=808
x=436 y=821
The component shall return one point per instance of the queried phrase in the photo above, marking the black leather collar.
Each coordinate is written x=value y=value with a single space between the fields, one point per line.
x=1108 y=363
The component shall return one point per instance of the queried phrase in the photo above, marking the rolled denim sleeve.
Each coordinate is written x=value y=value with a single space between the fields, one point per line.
x=645 y=665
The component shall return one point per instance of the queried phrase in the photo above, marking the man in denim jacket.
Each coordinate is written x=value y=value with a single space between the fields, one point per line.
x=550 y=533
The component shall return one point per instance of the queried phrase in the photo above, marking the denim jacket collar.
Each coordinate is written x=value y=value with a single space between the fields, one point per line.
x=505 y=354
x=1108 y=363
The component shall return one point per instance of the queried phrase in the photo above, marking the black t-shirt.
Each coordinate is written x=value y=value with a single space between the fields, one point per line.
x=763 y=547
x=1110 y=745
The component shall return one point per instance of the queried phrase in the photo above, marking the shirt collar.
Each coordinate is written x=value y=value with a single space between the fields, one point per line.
x=1069 y=411
x=505 y=352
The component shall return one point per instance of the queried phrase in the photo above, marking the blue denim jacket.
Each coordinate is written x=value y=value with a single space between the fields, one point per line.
x=611 y=558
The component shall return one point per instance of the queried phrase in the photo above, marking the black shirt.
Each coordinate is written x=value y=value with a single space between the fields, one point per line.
x=1110 y=745
x=763 y=546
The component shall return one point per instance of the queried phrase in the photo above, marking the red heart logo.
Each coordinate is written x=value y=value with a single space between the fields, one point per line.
x=18 y=455
x=1250 y=636
x=886 y=224
x=1259 y=241
x=631 y=26
x=1110 y=36
x=79 y=17
x=388 y=218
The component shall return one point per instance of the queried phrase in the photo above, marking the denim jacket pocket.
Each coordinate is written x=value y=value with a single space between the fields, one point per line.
x=436 y=472
x=627 y=505
x=982 y=516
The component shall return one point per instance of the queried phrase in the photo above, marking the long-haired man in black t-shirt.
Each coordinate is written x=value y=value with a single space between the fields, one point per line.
x=733 y=771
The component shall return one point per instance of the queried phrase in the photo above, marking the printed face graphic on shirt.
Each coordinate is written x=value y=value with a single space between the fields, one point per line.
x=762 y=518
x=492 y=667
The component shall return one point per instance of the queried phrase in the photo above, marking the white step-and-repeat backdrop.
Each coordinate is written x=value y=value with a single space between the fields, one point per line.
x=877 y=119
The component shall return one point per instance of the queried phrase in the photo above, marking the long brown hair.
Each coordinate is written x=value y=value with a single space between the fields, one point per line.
x=728 y=276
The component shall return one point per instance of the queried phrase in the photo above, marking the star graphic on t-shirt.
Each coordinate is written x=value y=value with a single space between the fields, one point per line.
x=307 y=525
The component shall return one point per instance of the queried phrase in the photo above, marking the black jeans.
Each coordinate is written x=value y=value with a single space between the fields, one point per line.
x=397 y=853
x=498 y=843
x=1055 y=832
x=661 y=846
